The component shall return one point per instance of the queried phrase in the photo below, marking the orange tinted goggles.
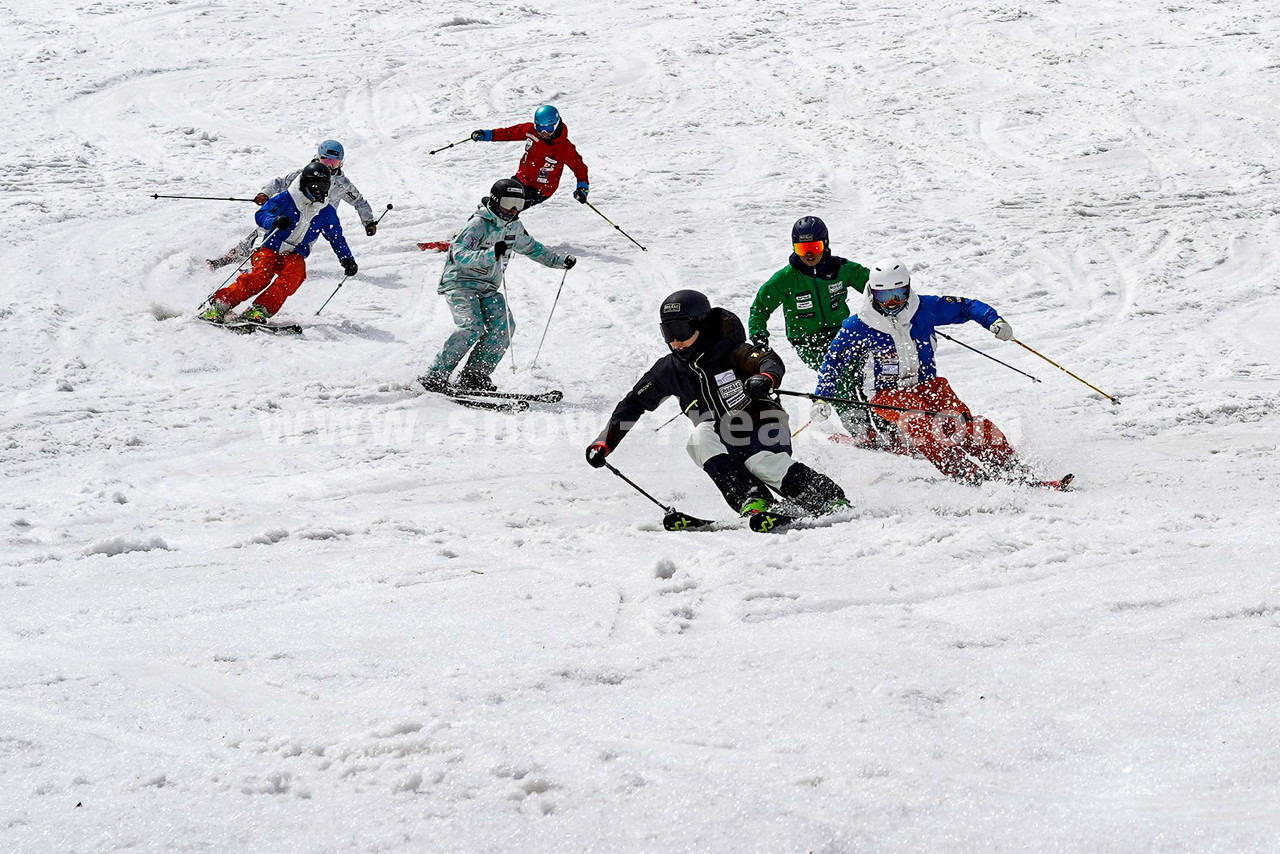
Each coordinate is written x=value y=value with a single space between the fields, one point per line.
x=813 y=247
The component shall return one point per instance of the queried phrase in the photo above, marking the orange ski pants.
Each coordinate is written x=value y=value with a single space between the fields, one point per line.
x=945 y=441
x=289 y=272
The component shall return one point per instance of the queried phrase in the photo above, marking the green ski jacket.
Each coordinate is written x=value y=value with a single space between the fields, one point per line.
x=812 y=298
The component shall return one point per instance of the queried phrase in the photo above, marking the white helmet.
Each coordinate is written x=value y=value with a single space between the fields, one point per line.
x=887 y=274
x=889 y=286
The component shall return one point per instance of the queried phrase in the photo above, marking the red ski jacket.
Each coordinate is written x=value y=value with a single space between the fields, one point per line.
x=543 y=162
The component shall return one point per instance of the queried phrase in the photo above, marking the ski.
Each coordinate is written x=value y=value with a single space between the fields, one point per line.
x=479 y=400
x=230 y=327
x=272 y=328
x=435 y=246
x=1063 y=484
x=553 y=396
x=490 y=405
x=769 y=522
x=677 y=521
x=244 y=327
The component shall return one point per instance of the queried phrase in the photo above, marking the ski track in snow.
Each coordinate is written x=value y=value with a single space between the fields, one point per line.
x=259 y=594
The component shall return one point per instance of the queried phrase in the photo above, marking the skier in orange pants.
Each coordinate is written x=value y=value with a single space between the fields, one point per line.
x=894 y=332
x=947 y=442
x=291 y=221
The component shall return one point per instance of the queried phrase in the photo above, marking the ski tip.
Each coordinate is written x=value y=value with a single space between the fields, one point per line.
x=677 y=521
x=766 y=522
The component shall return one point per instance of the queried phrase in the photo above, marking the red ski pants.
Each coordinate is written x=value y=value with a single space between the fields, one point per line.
x=945 y=441
x=289 y=271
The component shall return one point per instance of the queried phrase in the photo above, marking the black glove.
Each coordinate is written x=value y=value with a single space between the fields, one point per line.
x=260 y=199
x=283 y=223
x=596 y=452
x=371 y=229
x=760 y=342
x=758 y=386
x=477 y=136
x=349 y=266
x=499 y=249
x=569 y=261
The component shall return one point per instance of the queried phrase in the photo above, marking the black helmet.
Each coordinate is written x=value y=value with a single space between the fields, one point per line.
x=315 y=180
x=808 y=229
x=682 y=314
x=506 y=198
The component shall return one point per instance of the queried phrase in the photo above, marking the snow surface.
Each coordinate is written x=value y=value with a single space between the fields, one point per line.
x=258 y=595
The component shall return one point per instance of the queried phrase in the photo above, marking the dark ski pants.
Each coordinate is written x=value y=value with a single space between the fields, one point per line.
x=531 y=196
x=485 y=328
x=748 y=455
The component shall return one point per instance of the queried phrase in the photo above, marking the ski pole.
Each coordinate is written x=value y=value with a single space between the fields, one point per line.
x=1113 y=400
x=506 y=307
x=802 y=429
x=988 y=355
x=611 y=222
x=203 y=198
x=847 y=402
x=344 y=278
x=236 y=271
x=332 y=295
x=538 y=352
x=689 y=521
x=677 y=415
x=450 y=145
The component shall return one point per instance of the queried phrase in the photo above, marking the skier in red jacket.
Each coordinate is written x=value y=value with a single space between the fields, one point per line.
x=547 y=151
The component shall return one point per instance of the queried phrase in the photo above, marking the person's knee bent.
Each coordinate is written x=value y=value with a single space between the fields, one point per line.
x=704 y=443
x=770 y=466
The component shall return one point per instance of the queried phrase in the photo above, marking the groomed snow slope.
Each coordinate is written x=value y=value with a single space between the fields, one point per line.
x=258 y=595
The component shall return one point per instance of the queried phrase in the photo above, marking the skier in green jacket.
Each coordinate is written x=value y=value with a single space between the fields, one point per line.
x=813 y=290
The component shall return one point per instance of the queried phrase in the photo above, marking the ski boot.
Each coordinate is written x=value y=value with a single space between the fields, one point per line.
x=435 y=382
x=256 y=314
x=213 y=311
x=474 y=381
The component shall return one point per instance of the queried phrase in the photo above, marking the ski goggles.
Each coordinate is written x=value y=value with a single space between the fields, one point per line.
x=678 y=329
x=511 y=204
x=812 y=247
x=546 y=130
x=892 y=296
x=331 y=162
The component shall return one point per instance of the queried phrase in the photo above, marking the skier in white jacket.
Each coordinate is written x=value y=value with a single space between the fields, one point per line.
x=341 y=189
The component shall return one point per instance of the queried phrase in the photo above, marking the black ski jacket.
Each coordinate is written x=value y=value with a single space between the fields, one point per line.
x=708 y=386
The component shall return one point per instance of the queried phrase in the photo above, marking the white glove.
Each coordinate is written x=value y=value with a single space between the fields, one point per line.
x=820 y=411
x=1001 y=330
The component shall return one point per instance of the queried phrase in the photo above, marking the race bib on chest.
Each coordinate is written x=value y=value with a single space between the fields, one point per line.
x=730 y=388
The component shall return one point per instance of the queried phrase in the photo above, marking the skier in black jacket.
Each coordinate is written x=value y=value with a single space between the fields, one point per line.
x=741 y=436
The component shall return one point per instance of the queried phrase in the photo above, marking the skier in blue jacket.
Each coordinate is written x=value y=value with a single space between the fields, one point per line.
x=290 y=222
x=893 y=332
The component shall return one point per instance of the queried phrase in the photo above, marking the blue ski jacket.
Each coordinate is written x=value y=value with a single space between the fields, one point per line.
x=310 y=220
x=900 y=347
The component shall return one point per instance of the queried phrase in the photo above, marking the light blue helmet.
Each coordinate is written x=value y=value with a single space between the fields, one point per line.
x=546 y=119
x=330 y=149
